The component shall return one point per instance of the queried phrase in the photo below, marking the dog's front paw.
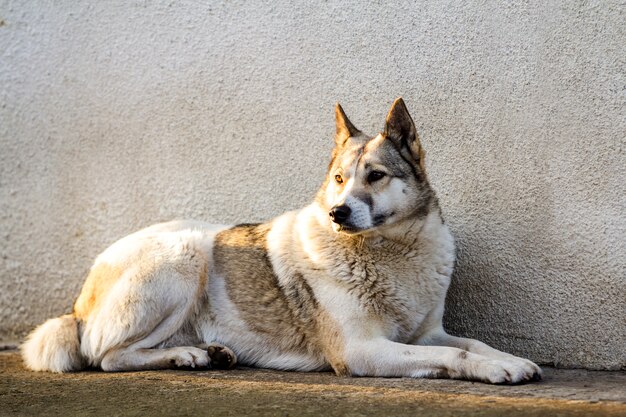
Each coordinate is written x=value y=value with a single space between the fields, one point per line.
x=221 y=357
x=511 y=371
x=530 y=370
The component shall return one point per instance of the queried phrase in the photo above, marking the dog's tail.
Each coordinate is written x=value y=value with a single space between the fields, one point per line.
x=54 y=346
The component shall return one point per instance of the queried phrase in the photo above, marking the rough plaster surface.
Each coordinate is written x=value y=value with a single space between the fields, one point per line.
x=116 y=115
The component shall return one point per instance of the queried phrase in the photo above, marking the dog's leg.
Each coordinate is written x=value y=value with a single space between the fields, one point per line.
x=382 y=357
x=126 y=359
x=213 y=355
x=441 y=338
x=145 y=307
x=435 y=335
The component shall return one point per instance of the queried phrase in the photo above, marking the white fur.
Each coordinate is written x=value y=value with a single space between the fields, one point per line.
x=54 y=346
x=360 y=217
x=391 y=199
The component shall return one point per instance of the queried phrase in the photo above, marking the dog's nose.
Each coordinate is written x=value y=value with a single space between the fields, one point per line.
x=339 y=214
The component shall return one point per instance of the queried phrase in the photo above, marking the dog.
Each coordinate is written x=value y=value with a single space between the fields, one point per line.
x=355 y=282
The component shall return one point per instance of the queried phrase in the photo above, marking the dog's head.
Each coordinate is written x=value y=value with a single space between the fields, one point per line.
x=376 y=182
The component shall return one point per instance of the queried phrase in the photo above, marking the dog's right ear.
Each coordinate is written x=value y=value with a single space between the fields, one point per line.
x=345 y=128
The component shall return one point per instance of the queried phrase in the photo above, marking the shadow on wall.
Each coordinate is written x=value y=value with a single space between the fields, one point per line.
x=506 y=240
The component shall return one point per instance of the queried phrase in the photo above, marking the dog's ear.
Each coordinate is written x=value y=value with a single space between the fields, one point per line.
x=345 y=128
x=399 y=128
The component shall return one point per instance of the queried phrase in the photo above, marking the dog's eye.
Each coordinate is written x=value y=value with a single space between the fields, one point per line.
x=375 y=176
x=339 y=179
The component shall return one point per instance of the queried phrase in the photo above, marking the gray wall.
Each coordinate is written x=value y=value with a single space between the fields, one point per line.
x=115 y=116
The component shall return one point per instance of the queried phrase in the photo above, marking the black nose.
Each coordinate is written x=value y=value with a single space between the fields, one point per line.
x=339 y=214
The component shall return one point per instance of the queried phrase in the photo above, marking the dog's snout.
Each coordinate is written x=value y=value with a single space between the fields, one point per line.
x=339 y=214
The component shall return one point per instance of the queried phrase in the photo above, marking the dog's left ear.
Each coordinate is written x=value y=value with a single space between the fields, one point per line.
x=400 y=128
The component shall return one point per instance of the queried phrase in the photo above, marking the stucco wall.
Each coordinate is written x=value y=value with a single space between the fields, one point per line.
x=115 y=116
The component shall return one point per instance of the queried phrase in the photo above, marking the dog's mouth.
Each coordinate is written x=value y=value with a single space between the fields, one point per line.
x=347 y=229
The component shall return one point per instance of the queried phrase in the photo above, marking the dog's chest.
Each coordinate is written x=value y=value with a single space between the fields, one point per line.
x=399 y=286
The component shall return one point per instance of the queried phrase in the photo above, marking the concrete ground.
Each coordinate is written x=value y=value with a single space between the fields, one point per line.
x=246 y=391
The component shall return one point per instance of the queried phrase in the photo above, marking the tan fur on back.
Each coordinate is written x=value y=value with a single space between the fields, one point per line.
x=286 y=314
x=99 y=281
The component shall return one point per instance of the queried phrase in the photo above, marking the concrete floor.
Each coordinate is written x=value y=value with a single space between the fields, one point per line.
x=246 y=391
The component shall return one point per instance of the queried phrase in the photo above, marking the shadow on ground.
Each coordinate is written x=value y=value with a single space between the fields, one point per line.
x=246 y=391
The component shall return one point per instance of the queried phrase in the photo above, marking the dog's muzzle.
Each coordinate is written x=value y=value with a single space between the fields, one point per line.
x=339 y=214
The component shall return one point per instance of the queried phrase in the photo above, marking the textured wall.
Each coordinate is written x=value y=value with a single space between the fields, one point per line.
x=116 y=116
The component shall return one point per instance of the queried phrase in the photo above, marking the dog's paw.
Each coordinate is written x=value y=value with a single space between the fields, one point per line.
x=221 y=357
x=532 y=371
x=190 y=357
x=510 y=371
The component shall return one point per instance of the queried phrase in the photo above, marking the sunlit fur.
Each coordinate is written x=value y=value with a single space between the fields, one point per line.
x=299 y=292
